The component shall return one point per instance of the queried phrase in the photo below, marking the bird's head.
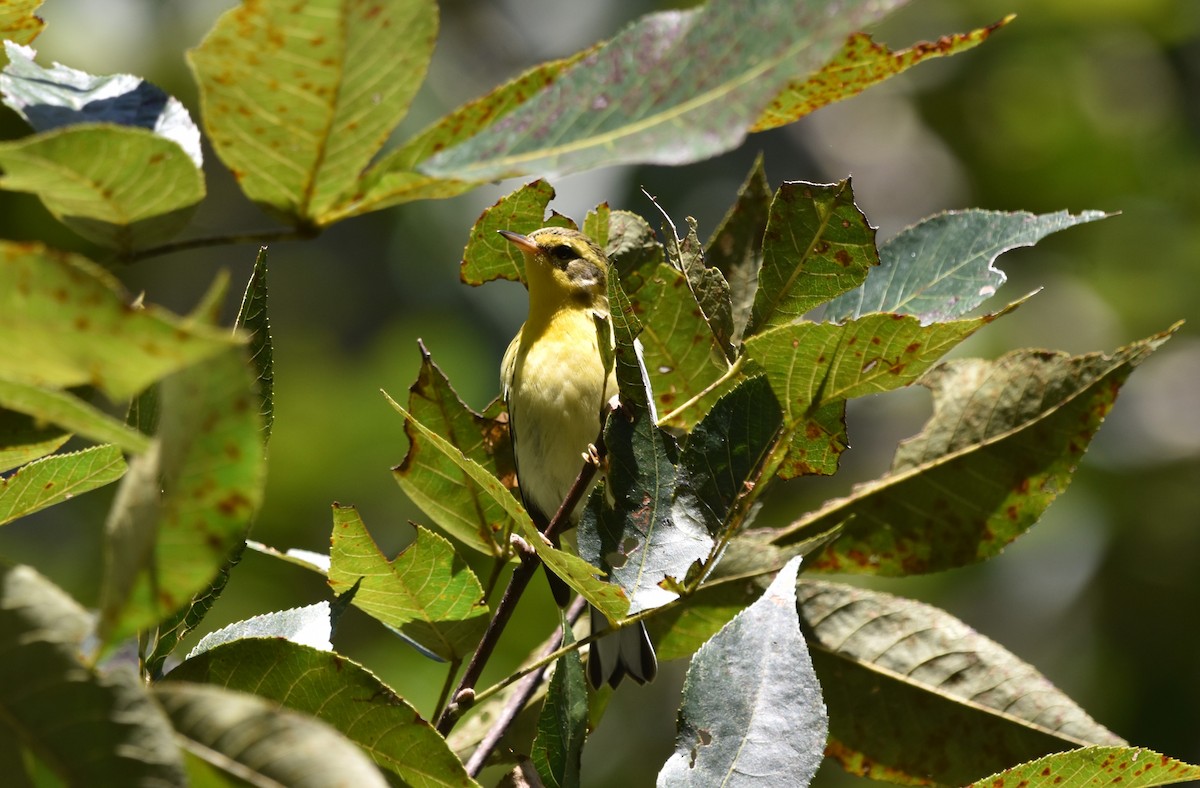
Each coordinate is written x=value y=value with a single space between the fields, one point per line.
x=562 y=264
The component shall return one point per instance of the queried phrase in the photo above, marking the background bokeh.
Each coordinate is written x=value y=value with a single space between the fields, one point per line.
x=1073 y=105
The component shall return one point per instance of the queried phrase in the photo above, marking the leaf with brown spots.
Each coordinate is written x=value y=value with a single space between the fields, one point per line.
x=682 y=357
x=298 y=97
x=1091 y=767
x=211 y=470
x=337 y=691
x=488 y=256
x=913 y=692
x=427 y=591
x=943 y=267
x=64 y=321
x=671 y=88
x=815 y=367
x=64 y=409
x=58 y=478
x=817 y=245
x=860 y=64
x=1003 y=442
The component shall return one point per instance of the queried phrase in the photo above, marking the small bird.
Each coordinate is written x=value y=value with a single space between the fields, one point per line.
x=555 y=384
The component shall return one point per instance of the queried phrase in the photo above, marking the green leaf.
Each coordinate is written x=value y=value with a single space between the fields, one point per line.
x=655 y=528
x=70 y=413
x=576 y=572
x=427 y=591
x=725 y=452
x=56 y=479
x=942 y=267
x=434 y=481
x=914 y=691
x=65 y=322
x=488 y=255
x=338 y=692
x=683 y=358
x=751 y=702
x=211 y=471
x=860 y=64
x=736 y=247
x=1128 y=767
x=80 y=721
x=709 y=288
x=252 y=317
x=18 y=23
x=557 y=752
x=255 y=740
x=298 y=97
x=309 y=626
x=817 y=245
x=671 y=88
x=119 y=186
x=1005 y=437
x=24 y=439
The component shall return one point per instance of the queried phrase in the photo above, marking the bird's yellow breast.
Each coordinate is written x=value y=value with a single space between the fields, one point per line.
x=555 y=384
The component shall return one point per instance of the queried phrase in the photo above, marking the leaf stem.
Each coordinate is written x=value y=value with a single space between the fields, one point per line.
x=444 y=696
x=258 y=237
x=464 y=695
x=533 y=674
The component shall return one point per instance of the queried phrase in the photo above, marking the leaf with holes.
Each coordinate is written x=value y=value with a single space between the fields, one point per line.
x=943 y=267
x=915 y=693
x=336 y=691
x=1005 y=437
x=751 y=702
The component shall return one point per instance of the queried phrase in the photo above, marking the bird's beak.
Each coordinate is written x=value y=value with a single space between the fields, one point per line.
x=522 y=241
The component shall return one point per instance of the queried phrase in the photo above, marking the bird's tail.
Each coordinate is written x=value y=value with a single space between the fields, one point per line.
x=626 y=652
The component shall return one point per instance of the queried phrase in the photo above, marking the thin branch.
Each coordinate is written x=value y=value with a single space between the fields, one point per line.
x=520 y=699
x=259 y=237
x=444 y=696
x=464 y=696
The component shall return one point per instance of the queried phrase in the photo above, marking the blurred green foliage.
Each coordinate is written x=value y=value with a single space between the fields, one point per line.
x=1072 y=106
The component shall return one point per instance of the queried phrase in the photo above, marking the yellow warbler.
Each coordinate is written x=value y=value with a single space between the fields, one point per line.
x=555 y=383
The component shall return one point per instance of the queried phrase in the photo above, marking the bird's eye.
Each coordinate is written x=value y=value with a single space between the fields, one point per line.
x=563 y=252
